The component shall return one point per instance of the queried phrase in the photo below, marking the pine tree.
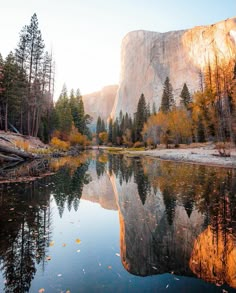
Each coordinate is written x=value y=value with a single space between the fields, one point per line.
x=9 y=99
x=110 y=131
x=81 y=125
x=148 y=114
x=167 y=100
x=63 y=113
x=98 y=128
x=141 y=116
x=185 y=97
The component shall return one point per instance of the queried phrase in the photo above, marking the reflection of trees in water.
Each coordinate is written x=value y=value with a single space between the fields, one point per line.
x=24 y=233
x=25 y=220
x=170 y=203
x=68 y=187
x=125 y=168
x=207 y=194
x=142 y=181
x=208 y=189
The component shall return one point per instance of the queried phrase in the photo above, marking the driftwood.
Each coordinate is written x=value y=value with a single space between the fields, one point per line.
x=10 y=158
x=13 y=151
x=34 y=168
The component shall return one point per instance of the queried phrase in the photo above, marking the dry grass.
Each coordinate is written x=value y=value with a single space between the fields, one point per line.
x=22 y=144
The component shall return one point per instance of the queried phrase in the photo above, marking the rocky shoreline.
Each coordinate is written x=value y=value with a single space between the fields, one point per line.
x=190 y=155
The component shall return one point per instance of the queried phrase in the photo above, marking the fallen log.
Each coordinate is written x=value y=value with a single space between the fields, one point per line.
x=10 y=158
x=14 y=151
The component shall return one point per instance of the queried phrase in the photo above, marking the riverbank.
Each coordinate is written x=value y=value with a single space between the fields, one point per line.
x=205 y=155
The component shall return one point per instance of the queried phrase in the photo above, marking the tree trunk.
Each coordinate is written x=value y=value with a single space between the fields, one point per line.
x=28 y=121
x=6 y=117
x=13 y=151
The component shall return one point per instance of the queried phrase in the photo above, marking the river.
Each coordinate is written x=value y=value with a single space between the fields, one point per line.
x=108 y=223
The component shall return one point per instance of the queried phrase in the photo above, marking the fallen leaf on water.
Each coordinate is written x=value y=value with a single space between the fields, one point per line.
x=78 y=241
x=41 y=290
x=68 y=291
x=48 y=258
x=78 y=250
x=117 y=254
x=109 y=267
x=51 y=243
x=64 y=245
x=59 y=275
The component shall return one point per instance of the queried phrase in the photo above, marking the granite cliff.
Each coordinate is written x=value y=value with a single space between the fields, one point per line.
x=100 y=103
x=147 y=58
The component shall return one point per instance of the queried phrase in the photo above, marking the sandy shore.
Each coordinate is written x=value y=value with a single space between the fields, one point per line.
x=191 y=155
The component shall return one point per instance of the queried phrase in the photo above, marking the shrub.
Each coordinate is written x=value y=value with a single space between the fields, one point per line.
x=59 y=144
x=22 y=144
x=138 y=144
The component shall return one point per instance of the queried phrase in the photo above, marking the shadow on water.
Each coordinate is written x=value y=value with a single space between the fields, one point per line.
x=174 y=218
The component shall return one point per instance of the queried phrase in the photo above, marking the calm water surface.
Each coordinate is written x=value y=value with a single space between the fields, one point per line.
x=107 y=223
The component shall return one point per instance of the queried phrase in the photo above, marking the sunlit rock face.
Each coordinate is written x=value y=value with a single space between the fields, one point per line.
x=214 y=257
x=149 y=244
x=147 y=58
x=100 y=103
x=99 y=191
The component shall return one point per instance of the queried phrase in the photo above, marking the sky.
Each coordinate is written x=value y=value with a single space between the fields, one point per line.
x=85 y=35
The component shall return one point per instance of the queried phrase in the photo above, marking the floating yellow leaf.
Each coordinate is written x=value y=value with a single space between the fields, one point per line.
x=51 y=243
x=78 y=240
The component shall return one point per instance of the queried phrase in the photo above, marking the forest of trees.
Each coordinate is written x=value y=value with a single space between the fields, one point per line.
x=26 y=104
x=26 y=94
x=206 y=115
x=27 y=84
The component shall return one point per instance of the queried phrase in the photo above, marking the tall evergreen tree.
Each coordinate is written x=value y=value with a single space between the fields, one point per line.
x=64 y=115
x=185 y=97
x=9 y=99
x=167 y=100
x=110 y=131
x=141 y=116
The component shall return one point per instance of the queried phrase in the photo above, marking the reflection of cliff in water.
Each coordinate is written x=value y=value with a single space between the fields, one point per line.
x=149 y=244
x=99 y=191
x=163 y=223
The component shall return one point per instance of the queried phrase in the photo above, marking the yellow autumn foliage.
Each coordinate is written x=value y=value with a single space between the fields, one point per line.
x=59 y=144
x=175 y=126
x=22 y=145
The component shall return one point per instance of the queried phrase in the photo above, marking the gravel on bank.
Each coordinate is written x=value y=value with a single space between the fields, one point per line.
x=190 y=155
